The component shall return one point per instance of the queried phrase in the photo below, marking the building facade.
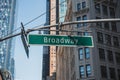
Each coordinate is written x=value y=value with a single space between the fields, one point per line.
x=45 y=63
x=7 y=24
x=55 y=13
x=46 y=59
x=53 y=16
x=46 y=51
x=101 y=62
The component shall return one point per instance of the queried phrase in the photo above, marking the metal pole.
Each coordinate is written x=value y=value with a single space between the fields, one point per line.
x=5 y=38
x=64 y=23
x=76 y=22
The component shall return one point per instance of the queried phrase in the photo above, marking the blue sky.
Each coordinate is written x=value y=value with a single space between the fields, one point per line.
x=29 y=69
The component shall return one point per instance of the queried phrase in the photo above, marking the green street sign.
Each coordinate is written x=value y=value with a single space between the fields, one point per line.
x=60 y=40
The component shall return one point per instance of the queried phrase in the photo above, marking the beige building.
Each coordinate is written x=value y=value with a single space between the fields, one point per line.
x=101 y=62
x=63 y=65
x=57 y=14
x=52 y=48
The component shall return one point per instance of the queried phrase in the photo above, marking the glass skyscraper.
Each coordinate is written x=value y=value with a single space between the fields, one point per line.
x=7 y=23
x=62 y=10
x=45 y=62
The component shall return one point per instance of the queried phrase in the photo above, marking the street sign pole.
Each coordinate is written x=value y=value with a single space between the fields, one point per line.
x=64 y=23
x=41 y=28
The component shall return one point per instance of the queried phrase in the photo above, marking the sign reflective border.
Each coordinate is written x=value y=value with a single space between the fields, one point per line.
x=60 y=40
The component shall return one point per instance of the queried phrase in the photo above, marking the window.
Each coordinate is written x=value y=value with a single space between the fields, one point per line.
x=117 y=56
x=79 y=33
x=88 y=70
x=73 y=77
x=99 y=25
x=81 y=53
x=72 y=62
x=110 y=56
x=111 y=0
x=83 y=4
x=107 y=39
x=78 y=19
x=105 y=11
x=103 y=71
x=101 y=54
x=78 y=6
x=106 y=26
x=100 y=37
x=113 y=26
x=62 y=10
x=97 y=8
x=112 y=12
x=112 y=73
x=115 y=41
x=86 y=34
x=82 y=74
x=118 y=74
x=87 y=53
x=84 y=18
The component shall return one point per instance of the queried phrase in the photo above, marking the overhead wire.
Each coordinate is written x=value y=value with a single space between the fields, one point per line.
x=50 y=22
x=34 y=20
x=64 y=23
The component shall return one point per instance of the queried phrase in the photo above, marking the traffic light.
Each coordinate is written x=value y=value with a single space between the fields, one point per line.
x=24 y=40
